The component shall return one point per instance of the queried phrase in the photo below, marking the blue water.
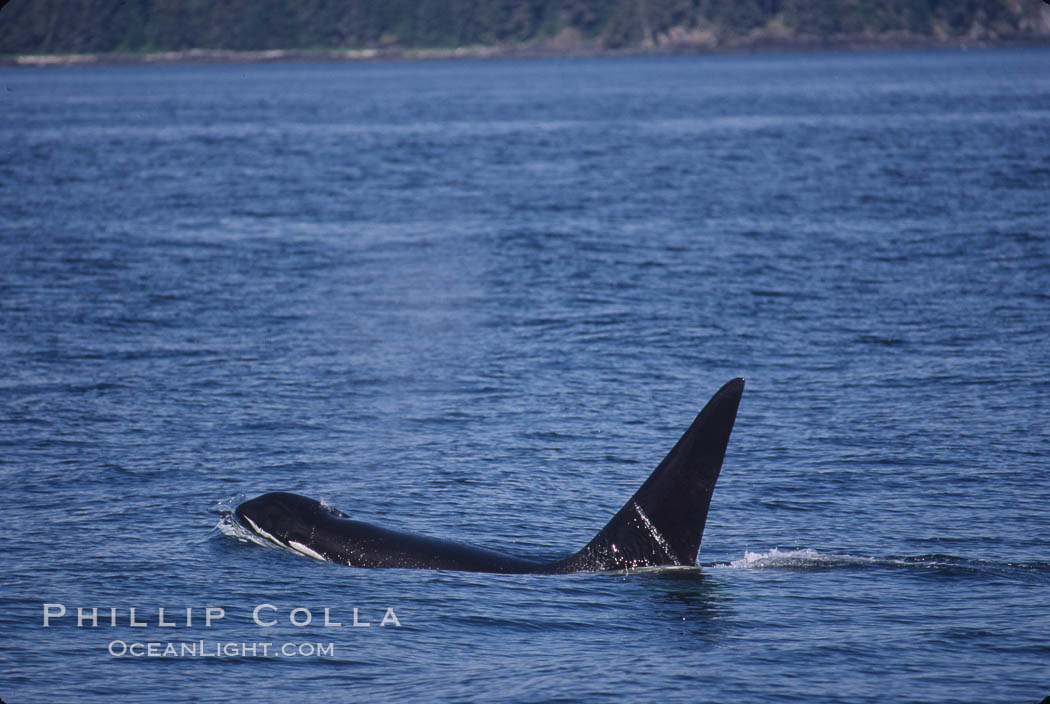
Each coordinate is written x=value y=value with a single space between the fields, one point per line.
x=481 y=300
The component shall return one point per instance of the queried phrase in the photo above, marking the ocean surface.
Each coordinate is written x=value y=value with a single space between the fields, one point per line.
x=481 y=301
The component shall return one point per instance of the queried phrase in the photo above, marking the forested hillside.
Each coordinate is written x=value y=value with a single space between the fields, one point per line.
x=80 y=26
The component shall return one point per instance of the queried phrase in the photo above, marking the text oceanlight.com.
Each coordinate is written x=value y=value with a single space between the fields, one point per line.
x=218 y=649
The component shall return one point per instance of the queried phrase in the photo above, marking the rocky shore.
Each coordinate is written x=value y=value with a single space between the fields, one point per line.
x=695 y=43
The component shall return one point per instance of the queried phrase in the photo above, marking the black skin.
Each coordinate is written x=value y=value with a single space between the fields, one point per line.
x=661 y=525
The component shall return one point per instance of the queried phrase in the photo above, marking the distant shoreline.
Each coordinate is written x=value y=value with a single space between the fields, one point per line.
x=755 y=44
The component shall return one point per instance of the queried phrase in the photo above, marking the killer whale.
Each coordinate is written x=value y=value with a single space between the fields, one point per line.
x=660 y=525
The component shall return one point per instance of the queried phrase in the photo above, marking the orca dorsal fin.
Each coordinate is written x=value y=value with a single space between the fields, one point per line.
x=662 y=524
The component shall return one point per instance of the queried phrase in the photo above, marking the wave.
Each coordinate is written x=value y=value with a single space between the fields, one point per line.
x=946 y=565
x=796 y=559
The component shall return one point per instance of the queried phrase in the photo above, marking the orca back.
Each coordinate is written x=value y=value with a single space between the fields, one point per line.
x=661 y=525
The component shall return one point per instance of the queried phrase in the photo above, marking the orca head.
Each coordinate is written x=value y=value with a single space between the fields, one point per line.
x=287 y=519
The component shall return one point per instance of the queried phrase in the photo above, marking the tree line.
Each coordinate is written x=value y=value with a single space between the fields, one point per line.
x=97 y=26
